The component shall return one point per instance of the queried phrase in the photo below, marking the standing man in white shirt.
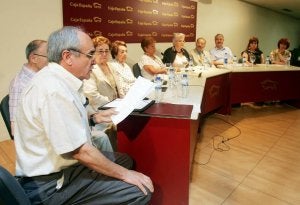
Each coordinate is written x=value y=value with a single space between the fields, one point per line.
x=36 y=54
x=220 y=54
x=56 y=161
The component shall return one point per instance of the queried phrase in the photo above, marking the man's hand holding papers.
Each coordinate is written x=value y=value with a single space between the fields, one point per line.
x=140 y=89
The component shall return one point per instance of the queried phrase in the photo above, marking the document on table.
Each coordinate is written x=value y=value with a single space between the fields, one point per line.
x=141 y=106
x=140 y=89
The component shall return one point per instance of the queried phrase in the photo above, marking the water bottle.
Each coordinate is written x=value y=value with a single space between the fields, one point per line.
x=184 y=86
x=244 y=61
x=158 y=84
x=234 y=59
x=267 y=61
x=225 y=59
x=288 y=60
x=206 y=62
x=171 y=77
x=191 y=62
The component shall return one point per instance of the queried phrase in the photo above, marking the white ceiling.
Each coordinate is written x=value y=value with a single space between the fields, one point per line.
x=279 y=6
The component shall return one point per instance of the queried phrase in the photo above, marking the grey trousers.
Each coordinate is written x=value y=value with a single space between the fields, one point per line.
x=110 y=130
x=102 y=143
x=84 y=186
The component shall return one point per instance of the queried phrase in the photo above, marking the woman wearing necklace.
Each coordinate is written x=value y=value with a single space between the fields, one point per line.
x=177 y=55
x=253 y=49
x=125 y=77
x=100 y=89
x=281 y=55
x=149 y=63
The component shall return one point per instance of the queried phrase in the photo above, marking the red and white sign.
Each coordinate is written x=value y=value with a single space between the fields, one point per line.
x=132 y=20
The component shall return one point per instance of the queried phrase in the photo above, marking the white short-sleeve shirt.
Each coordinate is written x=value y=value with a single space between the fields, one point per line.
x=124 y=77
x=180 y=61
x=218 y=54
x=147 y=60
x=50 y=121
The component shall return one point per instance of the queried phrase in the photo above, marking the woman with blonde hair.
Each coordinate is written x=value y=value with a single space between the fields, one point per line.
x=177 y=55
x=100 y=89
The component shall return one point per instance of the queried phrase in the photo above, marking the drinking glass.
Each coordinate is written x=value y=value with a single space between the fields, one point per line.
x=267 y=62
x=168 y=66
x=185 y=66
x=252 y=59
x=234 y=60
x=191 y=63
x=288 y=59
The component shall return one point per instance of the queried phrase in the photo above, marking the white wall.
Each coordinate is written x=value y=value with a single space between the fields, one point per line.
x=23 y=21
x=239 y=21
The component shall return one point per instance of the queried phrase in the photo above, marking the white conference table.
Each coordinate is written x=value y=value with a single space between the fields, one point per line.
x=162 y=139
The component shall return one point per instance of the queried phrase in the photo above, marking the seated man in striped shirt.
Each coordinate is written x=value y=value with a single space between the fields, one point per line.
x=36 y=54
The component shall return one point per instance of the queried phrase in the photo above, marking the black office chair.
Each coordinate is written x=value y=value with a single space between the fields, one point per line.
x=11 y=192
x=4 y=108
x=136 y=70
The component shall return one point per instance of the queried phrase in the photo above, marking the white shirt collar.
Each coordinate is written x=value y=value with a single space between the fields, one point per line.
x=72 y=81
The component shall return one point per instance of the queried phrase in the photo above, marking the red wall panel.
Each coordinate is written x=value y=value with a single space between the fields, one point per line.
x=132 y=20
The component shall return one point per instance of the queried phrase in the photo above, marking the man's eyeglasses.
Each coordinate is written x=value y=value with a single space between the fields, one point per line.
x=89 y=55
x=40 y=55
x=102 y=51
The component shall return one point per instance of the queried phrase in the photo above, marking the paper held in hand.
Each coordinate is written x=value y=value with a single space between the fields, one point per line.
x=140 y=89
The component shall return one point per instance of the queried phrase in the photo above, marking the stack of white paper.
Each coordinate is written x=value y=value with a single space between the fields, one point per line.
x=133 y=98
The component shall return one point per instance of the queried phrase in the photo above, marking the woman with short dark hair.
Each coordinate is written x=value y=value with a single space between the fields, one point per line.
x=149 y=63
x=281 y=55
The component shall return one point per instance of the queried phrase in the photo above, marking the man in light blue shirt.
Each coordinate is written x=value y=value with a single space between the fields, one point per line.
x=220 y=53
